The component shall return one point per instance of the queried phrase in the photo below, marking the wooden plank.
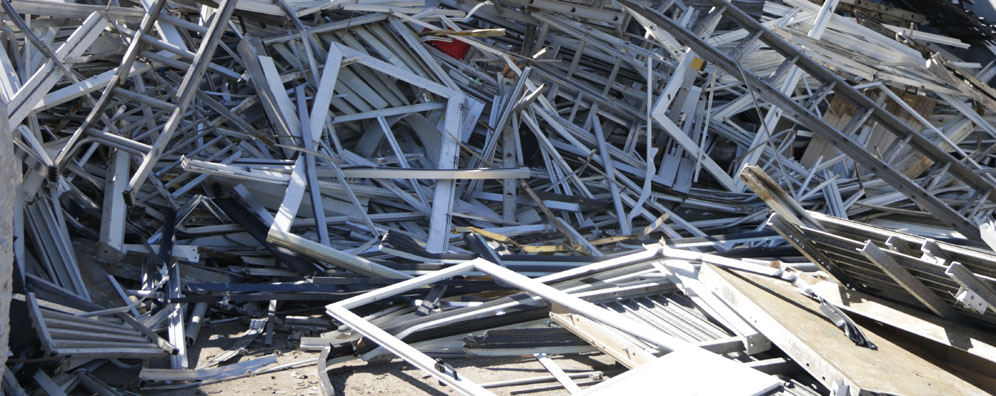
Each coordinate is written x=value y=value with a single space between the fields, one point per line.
x=787 y=318
x=837 y=115
x=957 y=335
x=880 y=139
x=614 y=344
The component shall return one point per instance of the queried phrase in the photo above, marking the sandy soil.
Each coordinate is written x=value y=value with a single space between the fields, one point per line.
x=355 y=377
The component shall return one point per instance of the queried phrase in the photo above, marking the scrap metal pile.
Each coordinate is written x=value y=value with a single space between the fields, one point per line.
x=726 y=198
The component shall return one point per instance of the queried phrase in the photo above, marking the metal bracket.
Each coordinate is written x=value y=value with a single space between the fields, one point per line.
x=971 y=300
x=446 y=368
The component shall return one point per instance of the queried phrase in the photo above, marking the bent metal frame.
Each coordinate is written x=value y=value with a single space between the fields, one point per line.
x=341 y=311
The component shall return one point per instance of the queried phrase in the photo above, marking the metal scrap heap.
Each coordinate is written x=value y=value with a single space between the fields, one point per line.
x=709 y=197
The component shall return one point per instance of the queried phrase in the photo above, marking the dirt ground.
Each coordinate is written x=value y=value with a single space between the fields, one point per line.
x=355 y=377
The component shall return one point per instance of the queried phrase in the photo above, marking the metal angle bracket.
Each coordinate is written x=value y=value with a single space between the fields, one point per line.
x=971 y=300
x=972 y=293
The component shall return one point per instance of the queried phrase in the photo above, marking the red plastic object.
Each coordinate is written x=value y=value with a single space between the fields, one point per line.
x=455 y=48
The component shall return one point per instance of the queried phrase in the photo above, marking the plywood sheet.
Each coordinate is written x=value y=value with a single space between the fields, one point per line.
x=794 y=323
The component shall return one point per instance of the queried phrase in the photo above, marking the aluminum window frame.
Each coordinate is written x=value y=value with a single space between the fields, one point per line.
x=342 y=312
